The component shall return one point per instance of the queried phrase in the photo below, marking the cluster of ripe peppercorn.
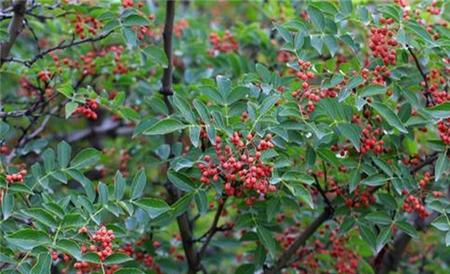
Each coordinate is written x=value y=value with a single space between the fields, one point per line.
x=88 y=109
x=224 y=44
x=241 y=169
x=89 y=22
x=345 y=260
x=101 y=244
x=16 y=177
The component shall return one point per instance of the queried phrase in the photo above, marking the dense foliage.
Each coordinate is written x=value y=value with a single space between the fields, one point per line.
x=224 y=137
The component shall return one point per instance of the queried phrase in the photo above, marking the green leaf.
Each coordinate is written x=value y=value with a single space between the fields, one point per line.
x=117 y=258
x=194 y=135
x=129 y=270
x=7 y=205
x=84 y=181
x=447 y=239
x=441 y=111
x=41 y=216
x=415 y=28
x=86 y=157
x=153 y=206
x=351 y=132
x=64 y=153
x=28 y=239
x=368 y=235
x=157 y=55
x=180 y=206
x=383 y=238
x=441 y=223
x=224 y=86
x=407 y=228
x=164 y=126
x=102 y=193
x=316 y=16
x=70 y=108
x=441 y=166
x=346 y=7
x=245 y=269
x=268 y=240
x=183 y=106
x=372 y=90
x=202 y=110
x=138 y=186
x=134 y=19
x=129 y=36
x=43 y=264
x=331 y=43
x=181 y=181
x=379 y=218
x=297 y=176
x=301 y=192
x=119 y=186
x=129 y=114
x=390 y=116
x=73 y=220
x=355 y=179
x=91 y=258
x=70 y=247
x=201 y=199
x=263 y=72
x=375 y=180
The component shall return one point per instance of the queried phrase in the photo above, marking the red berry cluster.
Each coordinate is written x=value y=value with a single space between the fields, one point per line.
x=16 y=177
x=89 y=22
x=379 y=75
x=401 y=3
x=304 y=74
x=241 y=169
x=345 y=259
x=180 y=26
x=425 y=180
x=412 y=204
x=127 y=3
x=88 y=109
x=284 y=56
x=369 y=140
x=103 y=239
x=44 y=75
x=382 y=43
x=360 y=198
x=225 y=44
x=143 y=256
x=4 y=149
x=435 y=80
x=433 y=9
x=444 y=130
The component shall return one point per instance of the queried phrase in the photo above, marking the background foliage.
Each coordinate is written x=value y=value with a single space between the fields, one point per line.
x=258 y=137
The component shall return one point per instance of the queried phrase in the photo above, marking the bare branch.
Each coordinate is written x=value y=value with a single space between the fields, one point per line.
x=213 y=229
x=299 y=241
x=15 y=27
x=427 y=93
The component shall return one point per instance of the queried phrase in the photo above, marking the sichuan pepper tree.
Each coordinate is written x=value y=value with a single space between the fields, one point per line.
x=224 y=137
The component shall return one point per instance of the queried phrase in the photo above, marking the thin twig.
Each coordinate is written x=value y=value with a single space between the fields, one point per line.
x=427 y=93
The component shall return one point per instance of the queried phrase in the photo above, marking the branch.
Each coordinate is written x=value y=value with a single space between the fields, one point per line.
x=427 y=93
x=282 y=262
x=184 y=225
x=322 y=193
x=167 y=38
x=390 y=259
x=30 y=62
x=15 y=27
x=213 y=229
